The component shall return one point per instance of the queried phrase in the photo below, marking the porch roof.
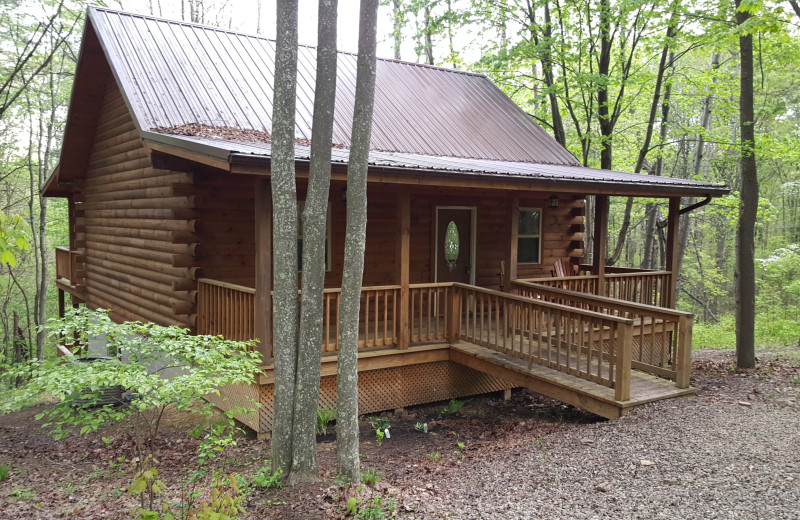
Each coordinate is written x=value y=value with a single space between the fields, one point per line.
x=255 y=156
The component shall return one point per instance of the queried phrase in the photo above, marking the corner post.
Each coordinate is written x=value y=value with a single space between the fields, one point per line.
x=402 y=261
x=600 y=242
x=263 y=310
x=673 y=249
x=513 y=243
x=683 y=352
x=622 y=385
x=453 y=314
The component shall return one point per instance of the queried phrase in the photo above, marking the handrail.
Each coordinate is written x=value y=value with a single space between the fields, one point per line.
x=636 y=286
x=590 y=345
x=229 y=310
x=662 y=337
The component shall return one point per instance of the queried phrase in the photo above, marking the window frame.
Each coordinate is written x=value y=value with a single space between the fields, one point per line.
x=328 y=237
x=521 y=236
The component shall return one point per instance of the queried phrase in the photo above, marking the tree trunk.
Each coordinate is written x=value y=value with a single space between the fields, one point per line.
x=745 y=233
x=604 y=117
x=397 y=27
x=315 y=212
x=648 y=136
x=428 y=36
x=284 y=233
x=355 y=238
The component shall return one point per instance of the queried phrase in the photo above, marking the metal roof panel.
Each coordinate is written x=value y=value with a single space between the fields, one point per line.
x=175 y=73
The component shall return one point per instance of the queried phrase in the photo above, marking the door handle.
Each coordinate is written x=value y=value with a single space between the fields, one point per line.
x=468 y=270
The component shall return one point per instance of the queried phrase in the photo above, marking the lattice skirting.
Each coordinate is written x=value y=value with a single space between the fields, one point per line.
x=397 y=387
x=233 y=396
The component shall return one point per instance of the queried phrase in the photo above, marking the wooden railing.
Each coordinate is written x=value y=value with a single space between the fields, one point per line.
x=428 y=312
x=229 y=310
x=635 y=286
x=590 y=345
x=662 y=338
x=67 y=265
x=225 y=309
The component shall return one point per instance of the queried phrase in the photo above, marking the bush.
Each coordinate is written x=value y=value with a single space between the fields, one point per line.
x=156 y=366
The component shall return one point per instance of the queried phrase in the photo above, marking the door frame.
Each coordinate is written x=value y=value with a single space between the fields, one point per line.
x=472 y=240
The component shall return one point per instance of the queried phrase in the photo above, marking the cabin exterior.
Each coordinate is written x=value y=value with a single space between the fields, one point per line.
x=165 y=165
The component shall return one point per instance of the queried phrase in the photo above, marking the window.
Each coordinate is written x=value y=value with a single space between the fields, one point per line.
x=328 y=241
x=529 y=231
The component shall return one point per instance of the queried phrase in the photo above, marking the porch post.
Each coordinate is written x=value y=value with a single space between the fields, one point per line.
x=600 y=242
x=673 y=221
x=402 y=260
x=513 y=243
x=263 y=310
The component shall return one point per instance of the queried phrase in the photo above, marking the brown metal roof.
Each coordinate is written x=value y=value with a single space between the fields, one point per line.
x=174 y=73
x=590 y=180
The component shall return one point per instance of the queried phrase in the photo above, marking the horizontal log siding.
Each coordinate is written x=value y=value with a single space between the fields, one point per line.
x=226 y=252
x=226 y=232
x=127 y=223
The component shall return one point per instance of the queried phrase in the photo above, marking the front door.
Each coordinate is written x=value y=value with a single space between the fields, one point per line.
x=453 y=245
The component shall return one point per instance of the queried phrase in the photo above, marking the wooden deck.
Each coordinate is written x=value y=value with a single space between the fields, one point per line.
x=593 y=397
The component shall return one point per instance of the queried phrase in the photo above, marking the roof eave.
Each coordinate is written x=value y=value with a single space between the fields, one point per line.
x=504 y=181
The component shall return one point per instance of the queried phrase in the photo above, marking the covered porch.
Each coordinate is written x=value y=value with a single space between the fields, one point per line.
x=605 y=339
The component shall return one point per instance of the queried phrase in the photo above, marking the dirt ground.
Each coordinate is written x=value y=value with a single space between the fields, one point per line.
x=465 y=466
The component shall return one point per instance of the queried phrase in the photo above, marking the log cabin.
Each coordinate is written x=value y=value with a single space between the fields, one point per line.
x=471 y=205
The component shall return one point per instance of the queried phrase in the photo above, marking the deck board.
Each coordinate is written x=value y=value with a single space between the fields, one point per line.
x=579 y=392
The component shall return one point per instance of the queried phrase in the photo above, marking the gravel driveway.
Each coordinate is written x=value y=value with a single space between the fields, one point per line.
x=732 y=452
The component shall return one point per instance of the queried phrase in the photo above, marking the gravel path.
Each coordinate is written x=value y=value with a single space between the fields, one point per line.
x=708 y=457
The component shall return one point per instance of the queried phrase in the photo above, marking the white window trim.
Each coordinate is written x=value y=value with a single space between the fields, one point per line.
x=539 y=236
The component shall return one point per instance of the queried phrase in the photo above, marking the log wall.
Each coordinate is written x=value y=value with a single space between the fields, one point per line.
x=134 y=226
x=147 y=233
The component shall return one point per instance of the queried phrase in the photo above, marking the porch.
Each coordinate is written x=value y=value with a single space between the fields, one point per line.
x=605 y=355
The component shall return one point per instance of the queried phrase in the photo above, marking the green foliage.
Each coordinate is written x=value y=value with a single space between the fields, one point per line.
x=225 y=500
x=324 y=417
x=379 y=509
x=195 y=365
x=266 y=478
x=381 y=425
x=4 y=469
x=452 y=408
x=13 y=238
x=371 y=477
x=24 y=494
x=435 y=456
x=421 y=427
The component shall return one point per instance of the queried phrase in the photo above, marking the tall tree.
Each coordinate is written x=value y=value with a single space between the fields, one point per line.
x=355 y=239
x=745 y=235
x=315 y=211
x=284 y=232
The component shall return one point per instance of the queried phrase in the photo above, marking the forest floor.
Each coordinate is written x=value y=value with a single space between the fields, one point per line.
x=733 y=451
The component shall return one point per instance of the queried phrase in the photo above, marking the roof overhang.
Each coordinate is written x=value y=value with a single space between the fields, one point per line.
x=404 y=168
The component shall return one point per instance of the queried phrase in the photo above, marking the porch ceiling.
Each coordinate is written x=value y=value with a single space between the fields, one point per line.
x=254 y=157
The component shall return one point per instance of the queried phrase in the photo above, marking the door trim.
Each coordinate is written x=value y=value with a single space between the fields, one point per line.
x=472 y=241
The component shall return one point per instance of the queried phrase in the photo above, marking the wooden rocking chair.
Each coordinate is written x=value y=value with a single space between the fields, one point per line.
x=563 y=268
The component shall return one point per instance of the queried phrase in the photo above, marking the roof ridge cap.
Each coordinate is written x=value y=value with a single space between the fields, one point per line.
x=94 y=8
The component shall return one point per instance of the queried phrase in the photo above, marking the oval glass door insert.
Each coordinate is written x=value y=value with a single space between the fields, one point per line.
x=451 y=245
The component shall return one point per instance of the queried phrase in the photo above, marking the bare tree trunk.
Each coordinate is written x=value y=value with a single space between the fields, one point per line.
x=604 y=116
x=649 y=260
x=428 y=36
x=697 y=161
x=397 y=29
x=315 y=212
x=745 y=233
x=284 y=233
x=648 y=136
x=355 y=238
